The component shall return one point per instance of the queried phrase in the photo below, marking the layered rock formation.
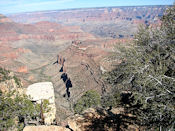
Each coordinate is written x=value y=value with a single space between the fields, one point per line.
x=19 y=44
x=4 y=19
x=112 y=22
x=142 y=13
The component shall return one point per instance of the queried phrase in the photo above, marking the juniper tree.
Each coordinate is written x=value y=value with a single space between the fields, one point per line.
x=90 y=99
x=148 y=70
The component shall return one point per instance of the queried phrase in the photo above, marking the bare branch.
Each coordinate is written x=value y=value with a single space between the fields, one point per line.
x=155 y=79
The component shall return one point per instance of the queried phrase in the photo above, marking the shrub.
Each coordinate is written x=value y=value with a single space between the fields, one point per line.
x=111 y=99
x=15 y=110
x=4 y=74
x=90 y=99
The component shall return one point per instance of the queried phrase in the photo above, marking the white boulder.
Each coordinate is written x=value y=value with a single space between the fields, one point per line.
x=44 y=91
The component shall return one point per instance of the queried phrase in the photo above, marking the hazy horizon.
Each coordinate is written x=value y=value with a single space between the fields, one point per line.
x=21 y=6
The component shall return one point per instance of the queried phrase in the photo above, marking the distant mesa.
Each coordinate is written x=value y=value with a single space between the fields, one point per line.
x=92 y=14
x=4 y=19
x=22 y=69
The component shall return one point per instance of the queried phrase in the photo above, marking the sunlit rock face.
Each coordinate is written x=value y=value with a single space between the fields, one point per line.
x=44 y=91
x=45 y=128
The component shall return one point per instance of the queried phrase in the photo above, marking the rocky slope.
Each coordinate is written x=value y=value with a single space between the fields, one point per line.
x=19 y=42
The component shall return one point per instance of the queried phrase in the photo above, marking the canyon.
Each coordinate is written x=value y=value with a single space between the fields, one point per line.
x=30 y=43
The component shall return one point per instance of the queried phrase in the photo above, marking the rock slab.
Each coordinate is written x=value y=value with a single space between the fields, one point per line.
x=45 y=128
x=44 y=91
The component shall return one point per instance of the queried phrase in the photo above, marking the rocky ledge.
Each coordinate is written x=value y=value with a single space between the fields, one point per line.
x=96 y=120
x=45 y=128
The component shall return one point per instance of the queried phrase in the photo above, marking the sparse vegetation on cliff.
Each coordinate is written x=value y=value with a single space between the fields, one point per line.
x=90 y=99
x=148 y=71
x=7 y=75
x=4 y=74
x=17 y=81
x=112 y=99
